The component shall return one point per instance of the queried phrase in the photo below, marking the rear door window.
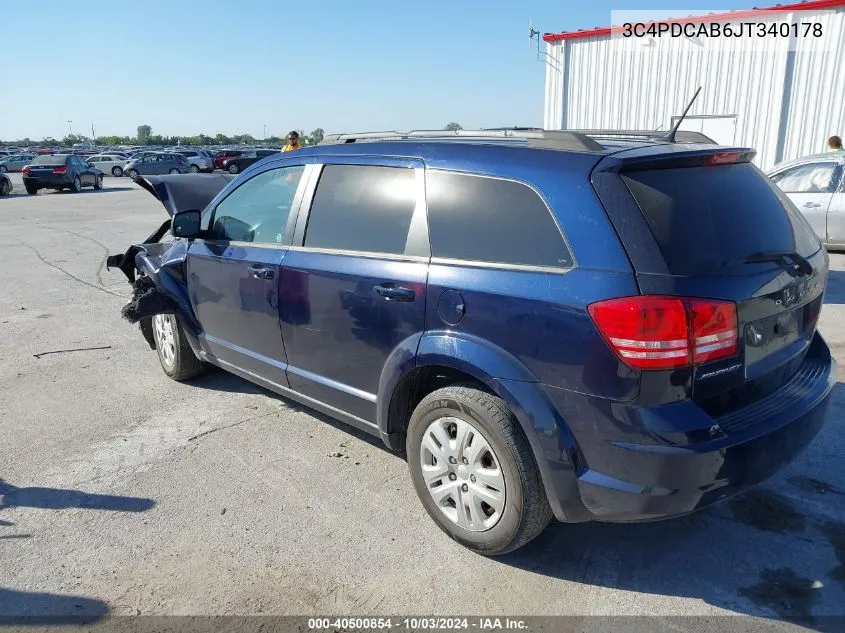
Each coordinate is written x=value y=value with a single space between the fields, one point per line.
x=707 y=219
x=363 y=208
x=476 y=218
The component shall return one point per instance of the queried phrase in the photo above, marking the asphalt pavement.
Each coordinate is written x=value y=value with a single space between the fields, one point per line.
x=124 y=492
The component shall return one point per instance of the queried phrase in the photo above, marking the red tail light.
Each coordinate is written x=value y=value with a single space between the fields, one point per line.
x=651 y=332
x=722 y=158
x=60 y=170
x=181 y=162
x=25 y=171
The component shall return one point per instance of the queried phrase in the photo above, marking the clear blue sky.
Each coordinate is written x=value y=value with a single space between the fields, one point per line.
x=233 y=66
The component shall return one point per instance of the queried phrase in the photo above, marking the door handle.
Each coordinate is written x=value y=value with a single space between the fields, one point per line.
x=259 y=272
x=812 y=205
x=392 y=292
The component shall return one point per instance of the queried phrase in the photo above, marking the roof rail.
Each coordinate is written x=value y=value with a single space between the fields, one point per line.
x=573 y=140
x=551 y=139
x=682 y=136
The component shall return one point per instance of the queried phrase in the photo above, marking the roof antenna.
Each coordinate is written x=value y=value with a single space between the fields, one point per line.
x=670 y=137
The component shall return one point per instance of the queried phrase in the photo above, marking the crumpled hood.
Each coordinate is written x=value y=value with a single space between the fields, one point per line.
x=184 y=192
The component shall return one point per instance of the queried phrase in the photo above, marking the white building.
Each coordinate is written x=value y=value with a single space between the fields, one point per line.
x=783 y=96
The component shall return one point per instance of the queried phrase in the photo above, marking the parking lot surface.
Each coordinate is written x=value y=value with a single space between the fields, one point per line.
x=124 y=492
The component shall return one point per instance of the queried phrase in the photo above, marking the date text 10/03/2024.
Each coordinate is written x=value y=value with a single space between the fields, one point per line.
x=418 y=623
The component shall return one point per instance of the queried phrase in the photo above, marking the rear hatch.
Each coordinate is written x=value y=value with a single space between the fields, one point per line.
x=704 y=222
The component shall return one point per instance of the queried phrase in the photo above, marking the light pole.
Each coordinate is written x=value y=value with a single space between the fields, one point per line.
x=265 y=131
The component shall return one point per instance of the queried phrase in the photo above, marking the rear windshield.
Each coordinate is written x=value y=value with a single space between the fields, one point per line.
x=58 y=159
x=710 y=218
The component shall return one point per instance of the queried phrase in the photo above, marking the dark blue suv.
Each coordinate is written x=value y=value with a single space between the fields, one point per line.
x=612 y=328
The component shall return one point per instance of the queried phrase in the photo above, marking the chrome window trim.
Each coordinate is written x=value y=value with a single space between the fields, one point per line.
x=368 y=254
x=446 y=261
x=545 y=202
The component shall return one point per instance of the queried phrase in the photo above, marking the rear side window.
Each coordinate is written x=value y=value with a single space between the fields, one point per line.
x=706 y=219
x=475 y=218
x=362 y=208
x=812 y=178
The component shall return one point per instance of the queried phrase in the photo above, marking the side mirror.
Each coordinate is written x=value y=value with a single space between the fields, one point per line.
x=186 y=224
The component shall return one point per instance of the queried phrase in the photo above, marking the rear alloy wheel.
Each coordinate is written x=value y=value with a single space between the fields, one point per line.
x=132 y=173
x=195 y=169
x=174 y=171
x=116 y=171
x=176 y=356
x=76 y=187
x=233 y=168
x=98 y=182
x=474 y=471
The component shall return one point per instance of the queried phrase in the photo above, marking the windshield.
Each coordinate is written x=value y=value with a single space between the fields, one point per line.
x=716 y=217
x=58 y=159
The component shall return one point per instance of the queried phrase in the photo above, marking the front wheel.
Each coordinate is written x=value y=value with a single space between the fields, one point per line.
x=174 y=353
x=116 y=171
x=3 y=169
x=98 y=182
x=233 y=168
x=195 y=169
x=132 y=173
x=475 y=472
x=174 y=171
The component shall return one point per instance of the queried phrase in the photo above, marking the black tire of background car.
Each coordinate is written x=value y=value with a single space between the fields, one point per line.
x=527 y=511
x=195 y=169
x=5 y=187
x=98 y=182
x=31 y=190
x=186 y=365
x=233 y=168
x=116 y=171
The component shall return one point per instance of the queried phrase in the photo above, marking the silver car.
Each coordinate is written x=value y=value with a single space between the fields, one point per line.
x=15 y=162
x=816 y=186
x=199 y=160
x=157 y=163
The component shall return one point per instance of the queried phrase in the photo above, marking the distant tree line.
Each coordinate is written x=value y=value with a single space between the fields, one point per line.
x=145 y=136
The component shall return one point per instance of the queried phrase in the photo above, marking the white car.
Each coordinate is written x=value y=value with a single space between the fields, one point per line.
x=109 y=163
x=816 y=186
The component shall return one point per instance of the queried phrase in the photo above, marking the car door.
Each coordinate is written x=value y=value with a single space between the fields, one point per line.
x=353 y=283
x=810 y=186
x=233 y=273
x=86 y=172
x=836 y=211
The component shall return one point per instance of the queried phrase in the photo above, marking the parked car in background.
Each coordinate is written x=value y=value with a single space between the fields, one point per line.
x=5 y=185
x=223 y=154
x=816 y=185
x=61 y=171
x=594 y=328
x=109 y=163
x=239 y=163
x=199 y=160
x=15 y=162
x=157 y=163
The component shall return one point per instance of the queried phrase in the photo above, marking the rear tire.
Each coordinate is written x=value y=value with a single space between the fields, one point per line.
x=173 y=171
x=195 y=169
x=76 y=187
x=116 y=171
x=31 y=190
x=507 y=473
x=5 y=187
x=3 y=169
x=174 y=353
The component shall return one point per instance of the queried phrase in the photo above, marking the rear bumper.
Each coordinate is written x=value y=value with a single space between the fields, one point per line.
x=654 y=477
x=52 y=180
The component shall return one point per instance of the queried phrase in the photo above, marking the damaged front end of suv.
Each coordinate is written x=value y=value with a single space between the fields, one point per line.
x=155 y=267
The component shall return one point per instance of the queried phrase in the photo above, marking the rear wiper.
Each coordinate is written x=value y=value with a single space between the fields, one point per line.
x=804 y=266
